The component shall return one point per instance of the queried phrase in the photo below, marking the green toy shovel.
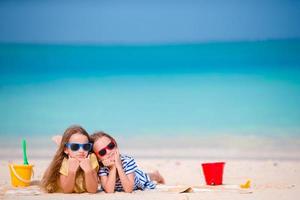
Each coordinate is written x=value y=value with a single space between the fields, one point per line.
x=24 y=152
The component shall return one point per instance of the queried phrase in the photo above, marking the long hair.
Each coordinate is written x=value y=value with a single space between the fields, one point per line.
x=51 y=176
x=96 y=136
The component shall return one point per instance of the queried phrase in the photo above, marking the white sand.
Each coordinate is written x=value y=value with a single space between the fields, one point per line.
x=272 y=164
x=271 y=179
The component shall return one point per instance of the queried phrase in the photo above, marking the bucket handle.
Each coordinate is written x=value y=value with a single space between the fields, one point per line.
x=17 y=175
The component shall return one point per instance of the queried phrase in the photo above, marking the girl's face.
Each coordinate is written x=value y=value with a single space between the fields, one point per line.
x=78 y=147
x=104 y=148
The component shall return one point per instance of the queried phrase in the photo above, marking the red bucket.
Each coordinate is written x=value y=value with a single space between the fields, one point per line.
x=213 y=173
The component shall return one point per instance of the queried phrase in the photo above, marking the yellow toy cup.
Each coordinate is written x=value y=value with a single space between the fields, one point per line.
x=20 y=175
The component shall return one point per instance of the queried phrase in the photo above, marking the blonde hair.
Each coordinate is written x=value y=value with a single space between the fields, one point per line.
x=51 y=176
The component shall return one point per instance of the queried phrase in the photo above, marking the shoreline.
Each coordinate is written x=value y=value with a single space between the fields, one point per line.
x=235 y=147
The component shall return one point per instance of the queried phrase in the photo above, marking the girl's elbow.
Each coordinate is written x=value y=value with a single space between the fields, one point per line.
x=108 y=190
x=94 y=190
x=67 y=191
x=128 y=190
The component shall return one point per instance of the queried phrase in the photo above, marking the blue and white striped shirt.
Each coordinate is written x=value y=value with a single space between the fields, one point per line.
x=141 y=179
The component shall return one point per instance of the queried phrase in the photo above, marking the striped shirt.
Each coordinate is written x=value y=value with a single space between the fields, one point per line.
x=141 y=180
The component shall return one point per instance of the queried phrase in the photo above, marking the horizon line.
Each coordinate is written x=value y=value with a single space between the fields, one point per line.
x=145 y=43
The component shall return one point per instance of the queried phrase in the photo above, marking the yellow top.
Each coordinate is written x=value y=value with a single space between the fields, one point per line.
x=79 y=180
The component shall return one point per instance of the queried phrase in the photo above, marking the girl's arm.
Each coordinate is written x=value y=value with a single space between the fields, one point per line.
x=127 y=181
x=108 y=182
x=67 y=183
x=90 y=176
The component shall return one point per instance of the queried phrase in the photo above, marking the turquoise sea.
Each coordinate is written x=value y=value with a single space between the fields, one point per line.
x=166 y=90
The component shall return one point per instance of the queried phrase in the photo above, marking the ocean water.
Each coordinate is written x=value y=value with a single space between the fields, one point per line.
x=176 y=90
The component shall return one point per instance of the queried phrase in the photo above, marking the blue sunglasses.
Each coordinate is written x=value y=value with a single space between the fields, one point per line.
x=77 y=146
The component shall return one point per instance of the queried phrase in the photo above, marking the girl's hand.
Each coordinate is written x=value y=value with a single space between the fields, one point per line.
x=73 y=165
x=118 y=161
x=109 y=162
x=85 y=165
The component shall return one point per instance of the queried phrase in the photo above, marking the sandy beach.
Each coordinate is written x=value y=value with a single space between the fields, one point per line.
x=273 y=175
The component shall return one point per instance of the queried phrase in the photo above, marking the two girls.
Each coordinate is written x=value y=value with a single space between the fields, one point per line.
x=75 y=169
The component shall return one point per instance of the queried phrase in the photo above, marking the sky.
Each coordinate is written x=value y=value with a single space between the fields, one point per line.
x=147 y=21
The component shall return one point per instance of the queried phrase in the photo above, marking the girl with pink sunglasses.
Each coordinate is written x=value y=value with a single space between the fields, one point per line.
x=120 y=172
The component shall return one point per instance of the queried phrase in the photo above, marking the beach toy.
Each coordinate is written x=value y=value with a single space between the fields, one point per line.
x=24 y=152
x=21 y=174
x=246 y=185
x=213 y=173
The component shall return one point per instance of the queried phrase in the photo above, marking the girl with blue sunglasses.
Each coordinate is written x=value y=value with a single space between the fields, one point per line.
x=73 y=168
